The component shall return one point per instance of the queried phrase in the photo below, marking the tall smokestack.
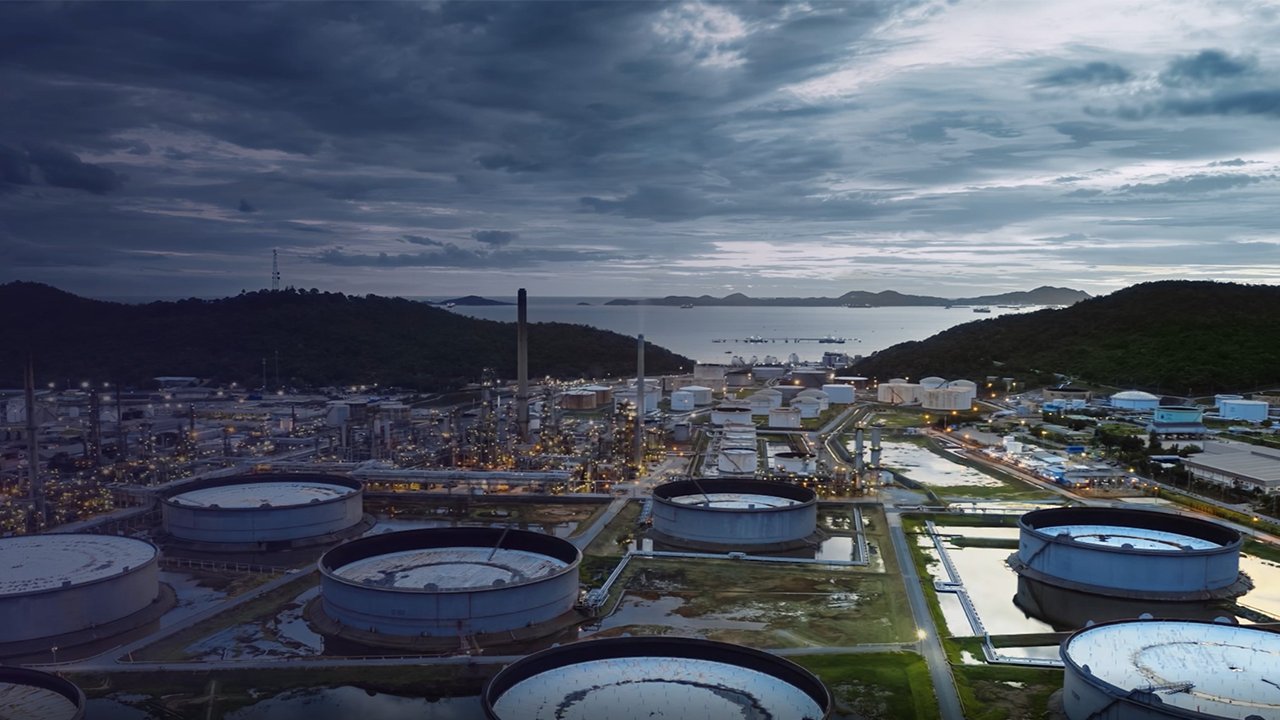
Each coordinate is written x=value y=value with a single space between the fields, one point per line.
x=875 y=451
x=34 y=490
x=640 y=406
x=522 y=365
x=857 y=453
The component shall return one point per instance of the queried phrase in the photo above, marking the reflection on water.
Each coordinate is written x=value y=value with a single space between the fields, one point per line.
x=1265 y=595
x=340 y=703
x=925 y=467
x=1070 y=610
x=285 y=634
x=396 y=524
x=992 y=587
x=642 y=610
x=992 y=533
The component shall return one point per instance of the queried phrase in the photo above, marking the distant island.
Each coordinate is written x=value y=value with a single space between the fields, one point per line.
x=859 y=298
x=473 y=300
x=584 y=303
x=1172 y=337
x=323 y=338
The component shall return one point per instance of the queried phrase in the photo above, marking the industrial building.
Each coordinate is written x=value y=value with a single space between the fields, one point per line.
x=1178 y=421
x=1128 y=553
x=265 y=511
x=1135 y=400
x=1254 y=411
x=788 y=417
x=1237 y=464
x=64 y=589
x=27 y=694
x=1171 y=670
x=839 y=394
x=448 y=582
x=728 y=515
x=640 y=678
x=1067 y=393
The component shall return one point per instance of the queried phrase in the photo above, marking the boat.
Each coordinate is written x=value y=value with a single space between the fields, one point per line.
x=450 y=305
x=829 y=340
x=756 y=339
x=982 y=309
x=686 y=306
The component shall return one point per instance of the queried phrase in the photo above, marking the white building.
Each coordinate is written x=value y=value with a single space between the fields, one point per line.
x=945 y=399
x=1251 y=466
x=681 y=401
x=900 y=393
x=1135 y=400
x=1240 y=409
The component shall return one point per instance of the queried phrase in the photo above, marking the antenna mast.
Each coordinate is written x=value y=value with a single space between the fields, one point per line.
x=275 y=271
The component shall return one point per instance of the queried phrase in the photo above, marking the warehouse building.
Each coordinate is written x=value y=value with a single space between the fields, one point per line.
x=1237 y=465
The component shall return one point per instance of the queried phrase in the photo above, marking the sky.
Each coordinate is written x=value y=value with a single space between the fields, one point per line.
x=638 y=149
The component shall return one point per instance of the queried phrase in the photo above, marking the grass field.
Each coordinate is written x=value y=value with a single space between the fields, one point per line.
x=877 y=686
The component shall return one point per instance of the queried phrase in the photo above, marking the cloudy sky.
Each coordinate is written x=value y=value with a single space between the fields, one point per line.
x=632 y=149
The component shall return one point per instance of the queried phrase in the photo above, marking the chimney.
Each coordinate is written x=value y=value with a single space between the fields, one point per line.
x=875 y=451
x=640 y=406
x=522 y=365
x=34 y=490
x=857 y=453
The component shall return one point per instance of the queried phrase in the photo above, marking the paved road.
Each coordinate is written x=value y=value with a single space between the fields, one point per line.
x=583 y=540
x=931 y=647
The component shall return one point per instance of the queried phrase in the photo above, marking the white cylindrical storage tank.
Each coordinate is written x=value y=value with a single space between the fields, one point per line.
x=1219 y=399
x=788 y=417
x=254 y=512
x=604 y=394
x=1120 y=552
x=768 y=371
x=899 y=393
x=65 y=589
x=1171 y=670
x=1135 y=400
x=967 y=390
x=932 y=382
x=740 y=440
x=808 y=407
x=650 y=399
x=761 y=403
x=725 y=413
x=701 y=394
x=681 y=401
x=737 y=461
x=824 y=400
x=810 y=377
x=839 y=394
x=727 y=514
x=945 y=399
x=1013 y=448
x=448 y=582
x=1247 y=410
x=775 y=396
x=795 y=463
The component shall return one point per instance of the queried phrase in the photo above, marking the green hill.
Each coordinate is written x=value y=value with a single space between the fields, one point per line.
x=322 y=338
x=1174 y=337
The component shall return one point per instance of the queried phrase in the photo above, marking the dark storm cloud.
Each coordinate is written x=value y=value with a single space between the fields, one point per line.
x=452 y=256
x=1252 y=102
x=57 y=168
x=422 y=240
x=494 y=238
x=509 y=163
x=1205 y=67
x=1094 y=73
x=245 y=207
x=664 y=204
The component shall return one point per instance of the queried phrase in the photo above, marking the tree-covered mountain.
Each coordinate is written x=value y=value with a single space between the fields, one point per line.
x=322 y=339
x=1173 y=337
x=861 y=298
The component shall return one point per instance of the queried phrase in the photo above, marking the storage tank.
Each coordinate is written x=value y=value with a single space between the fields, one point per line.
x=724 y=514
x=727 y=413
x=737 y=461
x=1171 y=670
x=642 y=678
x=681 y=401
x=738 y=378
x=1123 y=552
x=263 y=511
x=808 y=407
x=768 y=371
x=788 y=417
x=65 y=589
x=1247 y=410
x=795 y=463
x=774 y=395
x=899 y=393
x=1135 y=400
x=578 y=400
x=810 y=377
x=1178 y=414
x=449 y=582
x=839 y=394
x=824 y=400
x=701 y=394
x=604 y=394
x=945 y=399
x=27 y=694
x=932 y=382
x=761 y=403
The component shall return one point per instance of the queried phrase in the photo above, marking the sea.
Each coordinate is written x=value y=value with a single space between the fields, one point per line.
x=718 y=334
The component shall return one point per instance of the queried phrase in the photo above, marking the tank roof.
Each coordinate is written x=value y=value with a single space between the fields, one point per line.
x=1134 y=395
x=634 y=678
x=36 y=563
x=1205 y=669
x=27 y=694
x=256 y=494
x=456 y=568
x=733 y=500
x=1139 y=538
x=677 y=490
